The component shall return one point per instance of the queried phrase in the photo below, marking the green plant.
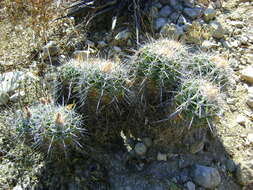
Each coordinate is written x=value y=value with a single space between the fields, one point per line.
x=198 y=98
x=49 y=128
x=158 y=65
x=213 y=67
x=103 y=82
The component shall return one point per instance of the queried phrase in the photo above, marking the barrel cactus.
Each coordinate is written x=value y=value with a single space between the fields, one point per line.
x=54 y=130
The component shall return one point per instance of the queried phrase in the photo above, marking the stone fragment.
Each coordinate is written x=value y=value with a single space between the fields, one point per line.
x=147 y=141
x=159 y=23
x=241 y=119
x=193 y=13
x=190 y=185
x=161 y=157
x=140 y=149
x=165 y=11
x=4 y=98
x=244 y=173
x=122 y=36
x=50 y=49
x=217 y=30
x=230 y=165
x=247 y=74
x=209 y=14
x=206 y=177
x=172 y=31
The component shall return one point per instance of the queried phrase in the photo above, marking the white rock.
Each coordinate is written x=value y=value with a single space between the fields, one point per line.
x=247 y=74
x=250 y=138
x=11 y=81
x=241 y=119
x=190 y=185
x=17 y=96
x=102 y=44
x=161 y=157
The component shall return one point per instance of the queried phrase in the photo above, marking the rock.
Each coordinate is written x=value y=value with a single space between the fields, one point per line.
x=161 y=157
x=4 y=98
x=181 y=20
x=11 y=81
x=140 y=149
x=217 y=30
x=174 y=17
x=159 y=23
x=102 y=44
x=116 y=49
x=147 y=141
x=165 y=11
x=206 y=177
x=17 y=96
x=250 y=100
x=50 y=49
x=249 y=58
x=206 y=44
x=247 y=74
x=90 y=43
x=238 y=24
x=18 y=187
x=82 y=55
x=158 y=5
x=244 y=173
x=230 y=165
x=190 y=186
x=197 y=147
x=209 y=14
x=122 y=36
x=250 y=138
x=241 y=119
x=193 y=13
x=172 y=31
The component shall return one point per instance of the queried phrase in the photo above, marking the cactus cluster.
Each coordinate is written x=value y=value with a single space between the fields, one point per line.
x=50 y=128
x=190 y=82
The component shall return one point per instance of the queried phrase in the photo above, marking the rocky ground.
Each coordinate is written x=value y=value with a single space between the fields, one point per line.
x=220 y=157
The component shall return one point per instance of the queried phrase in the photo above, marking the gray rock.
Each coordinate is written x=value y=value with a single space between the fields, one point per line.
x=244 y=173
x=172 y=31
x=206 y=177
x=147 y=141
x=165 y=11
x=217 y=30
x=158 y=5
x=102 y=44
x=4 y=98
x=190 y=186
x=230 y=165
x=209 y=14
x=140 y=149
x=161 y=157
x=193 y=13
x=250 y=101
x=50 y=49
x=123 y=36
x=159 y=23
x=247 y=74
x=116 y=49
x=181 y=20
x=174 y=17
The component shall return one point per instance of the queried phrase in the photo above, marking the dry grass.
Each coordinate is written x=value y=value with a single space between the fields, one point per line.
x=26 y=26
